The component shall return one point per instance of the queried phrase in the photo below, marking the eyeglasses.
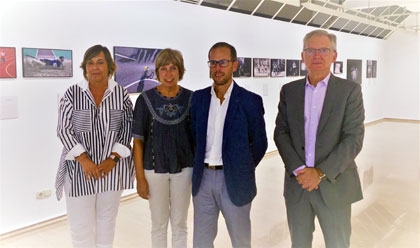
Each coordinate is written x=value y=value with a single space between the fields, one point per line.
x=222 y=63
x=321 y=51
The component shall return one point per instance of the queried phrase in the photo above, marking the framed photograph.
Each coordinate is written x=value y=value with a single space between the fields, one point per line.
x=371 y=69
x=292 y=68
x=374 y=68
x=42 y=62
x=244 y=67
x=136 y=68
x=303 y=71
x=261 y=67
x=354 y=70
x=338 y=67
x=278 y=68
x=7 y=62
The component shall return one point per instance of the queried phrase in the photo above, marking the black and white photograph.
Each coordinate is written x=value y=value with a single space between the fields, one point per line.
x=278 y=68
x=371 y=69
x=303 y=71
x=374 y=68
x=261 y=67
x=136 y=68
x=354 y=70
x=338 y=67
x=244 y=67
x=292 y=68
x=41 y=62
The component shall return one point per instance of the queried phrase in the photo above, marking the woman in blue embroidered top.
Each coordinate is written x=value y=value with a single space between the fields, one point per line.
x=163 y=150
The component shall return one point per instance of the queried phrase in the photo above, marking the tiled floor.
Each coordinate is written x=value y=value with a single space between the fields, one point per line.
x=388 y=216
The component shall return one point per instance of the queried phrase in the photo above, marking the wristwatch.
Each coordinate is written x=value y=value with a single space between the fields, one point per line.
x=115 y=158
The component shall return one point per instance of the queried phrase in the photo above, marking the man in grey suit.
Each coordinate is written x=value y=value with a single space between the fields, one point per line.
x=319 y=132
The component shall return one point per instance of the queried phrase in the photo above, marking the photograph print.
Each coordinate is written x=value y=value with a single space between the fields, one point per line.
x=292 y=68
x=374 y=68
x=278 y=68
x=354 y=70
x=261 y=67
x=303 y=70
x=136 y=68
x=7 y=62
x=244 y=67
x=41 y=62
x=338 y=67
x=371 y=69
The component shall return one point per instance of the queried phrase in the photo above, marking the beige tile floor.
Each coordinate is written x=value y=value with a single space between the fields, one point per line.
x=388 y=216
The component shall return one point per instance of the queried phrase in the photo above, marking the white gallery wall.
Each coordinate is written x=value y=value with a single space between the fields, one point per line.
x=29 y=148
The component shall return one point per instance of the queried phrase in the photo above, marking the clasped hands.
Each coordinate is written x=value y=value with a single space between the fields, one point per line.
x=90 y=169
x=309 y=178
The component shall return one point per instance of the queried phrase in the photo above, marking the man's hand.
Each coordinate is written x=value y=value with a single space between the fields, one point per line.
x=309 y=178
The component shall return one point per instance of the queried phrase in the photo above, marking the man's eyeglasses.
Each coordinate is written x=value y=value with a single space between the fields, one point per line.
x=222 y=63
x=321 y=51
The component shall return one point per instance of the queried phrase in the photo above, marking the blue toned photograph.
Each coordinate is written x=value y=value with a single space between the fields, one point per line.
x=136 y=68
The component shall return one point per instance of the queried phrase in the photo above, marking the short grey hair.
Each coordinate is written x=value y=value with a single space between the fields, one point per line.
x=321 y=32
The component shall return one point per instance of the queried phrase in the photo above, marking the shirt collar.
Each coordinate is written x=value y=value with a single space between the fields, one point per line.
x=324 y=81
x=227 y=93
x=85 y=84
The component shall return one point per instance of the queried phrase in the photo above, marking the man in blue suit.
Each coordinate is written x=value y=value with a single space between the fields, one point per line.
x=229 y=131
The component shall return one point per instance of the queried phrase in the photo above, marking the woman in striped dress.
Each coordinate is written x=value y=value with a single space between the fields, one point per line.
x=95 y=122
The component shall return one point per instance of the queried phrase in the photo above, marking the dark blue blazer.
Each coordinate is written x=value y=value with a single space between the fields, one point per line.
x=244 y=141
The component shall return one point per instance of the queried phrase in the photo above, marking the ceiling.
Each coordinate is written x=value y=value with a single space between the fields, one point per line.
x=372 y=18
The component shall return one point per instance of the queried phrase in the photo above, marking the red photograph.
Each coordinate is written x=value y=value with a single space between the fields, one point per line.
x=7 y=62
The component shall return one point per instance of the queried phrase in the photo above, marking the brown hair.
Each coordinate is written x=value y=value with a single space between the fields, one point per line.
x=232 y=49
x=92 y=52
x=167 y=56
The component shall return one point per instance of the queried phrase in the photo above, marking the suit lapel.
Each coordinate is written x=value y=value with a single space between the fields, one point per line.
x=300 y=111
x=328 y=103
x=233 y=106
x=204 y=113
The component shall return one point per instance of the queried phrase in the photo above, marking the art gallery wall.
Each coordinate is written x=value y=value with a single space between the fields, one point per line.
x=29 y=148
x=402 y=84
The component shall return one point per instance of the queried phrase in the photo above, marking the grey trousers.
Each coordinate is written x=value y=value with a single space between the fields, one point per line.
x=334 y=222
x=209 y=201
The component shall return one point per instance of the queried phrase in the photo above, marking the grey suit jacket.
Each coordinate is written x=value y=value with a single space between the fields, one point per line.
x=339 y=139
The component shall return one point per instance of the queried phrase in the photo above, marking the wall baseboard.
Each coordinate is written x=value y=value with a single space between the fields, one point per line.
x=50 y=221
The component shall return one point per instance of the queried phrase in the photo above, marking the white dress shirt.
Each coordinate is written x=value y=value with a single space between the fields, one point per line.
x=216 y=122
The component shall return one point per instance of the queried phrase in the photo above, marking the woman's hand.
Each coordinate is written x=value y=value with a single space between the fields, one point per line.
x=89 y=168
x=106 y=166
x=143 y=188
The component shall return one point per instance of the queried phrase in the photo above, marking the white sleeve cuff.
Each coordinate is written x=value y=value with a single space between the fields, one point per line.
x=75 y=152
x=299 y=168
x=122 y=150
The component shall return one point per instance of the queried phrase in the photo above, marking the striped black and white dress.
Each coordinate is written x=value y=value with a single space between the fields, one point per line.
x=84 y=127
